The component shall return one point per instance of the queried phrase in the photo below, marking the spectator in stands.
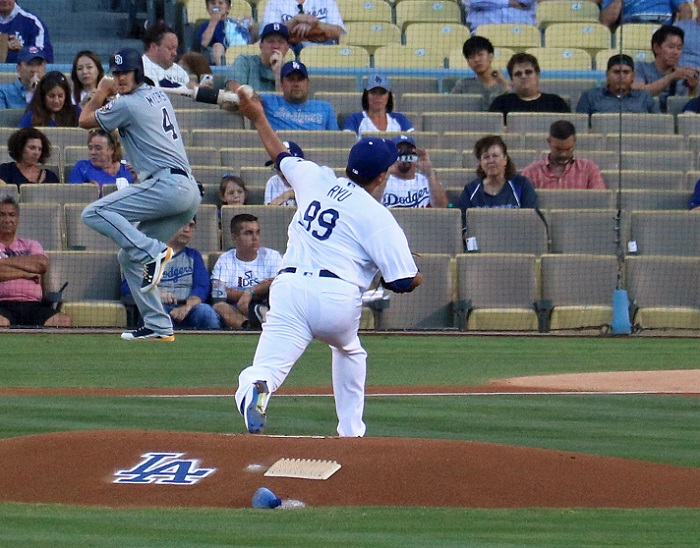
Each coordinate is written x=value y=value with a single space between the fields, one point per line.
x=246 y=272
x=412 y=182
x=498 y=184
x=160 y=45
x=184 y=287
x=221 y=31
x=377 y=110
x=490 y=83
x=104 y=165
x=662 y=77
x=695 y=198
x=198 y=69
x=31 y=67
x=86 y=73
x=232 y=190
x=561 y=169
x=262 y=72
x=617 y=95
x=23 y=30
x=23 y=265
x=691 y=46
x=524 y=72
x=692 y=106
x=512 y=12
x=277 y=190
x=294 y=109
x=51 y=104
x=29 y=148
x=662 y=12
x=309 y=21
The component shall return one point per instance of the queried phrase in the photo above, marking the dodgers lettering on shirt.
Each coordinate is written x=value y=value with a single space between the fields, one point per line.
x=298 y=116
x=407 y=192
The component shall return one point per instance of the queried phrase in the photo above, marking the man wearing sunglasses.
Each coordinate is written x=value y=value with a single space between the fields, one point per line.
x=524 y=72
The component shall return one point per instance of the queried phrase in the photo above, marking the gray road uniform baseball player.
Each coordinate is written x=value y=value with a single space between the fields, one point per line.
x=338 y=240
x=166 y=198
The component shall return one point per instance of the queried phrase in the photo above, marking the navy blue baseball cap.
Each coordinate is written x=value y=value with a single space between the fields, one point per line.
x=32 y=52
x=404 y=139
x=292 y=66
x=293 y=148
x=371 y=156
x=275 y=28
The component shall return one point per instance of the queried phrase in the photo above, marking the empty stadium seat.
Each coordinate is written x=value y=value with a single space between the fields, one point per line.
x=665 y=290
x=666 y=233
x=426 y=11
x=636 y=200
x=580 y=289
x=223 y=138
x=632 y=123
x=209 y=118
x=367 y=10
x=424 y=139
x=646 y=142
x=344 y=103
x=561 y=58
x=60 y=193
x=409 y=57
x=430 y=307
x=319 y=139
x=574 y=198
x=9 y=190
x=515 y=37
x=334 y=83
x=206 y=236
x=211 y=174
x=327 y=156
x=91 y=298
x=204 y=156
x=341 y=56
x=239 y=157
x=586 y=231
x=273 y=220
x=81 y=237
x=531 y=122
x=439 y=102
x=370 y=35
x=440 y=122
x=590 y=36
x=442 y=37
x=499 y=230
x=497 y=292
x=688 y=124
x=566 y=11
x=635 y=35
x=633 y=179
x=662 y=160
x=44 y=223
x=431 y=230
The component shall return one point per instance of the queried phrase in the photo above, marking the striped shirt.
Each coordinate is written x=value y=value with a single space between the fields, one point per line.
x=578 y=173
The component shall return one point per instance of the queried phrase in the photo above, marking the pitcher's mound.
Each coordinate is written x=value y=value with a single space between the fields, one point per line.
x=151 y=468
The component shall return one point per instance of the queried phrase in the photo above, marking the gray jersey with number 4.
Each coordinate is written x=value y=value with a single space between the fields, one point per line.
x=148 y=130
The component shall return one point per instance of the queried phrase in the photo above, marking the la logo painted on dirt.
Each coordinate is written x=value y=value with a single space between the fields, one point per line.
x=164 y=469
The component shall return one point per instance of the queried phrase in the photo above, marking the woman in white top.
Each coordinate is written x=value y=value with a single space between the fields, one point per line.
x=377 y=110
x=86 y=74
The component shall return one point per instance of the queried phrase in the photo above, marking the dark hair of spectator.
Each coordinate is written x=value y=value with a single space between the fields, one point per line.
x=389 y=102
x=112 y=140
x=562 y=130
x=155 y=33
x=485 y=143
x=6 y=199
x=522 y=59
x=195 y=63
x=67 y=116
x=476 y=44
x=238 y=220
x=229 y=178
x=77 y=86
x=663 y=32
x=18 y=140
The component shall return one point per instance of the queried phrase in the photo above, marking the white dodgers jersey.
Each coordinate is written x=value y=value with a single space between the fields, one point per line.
x=340 y=227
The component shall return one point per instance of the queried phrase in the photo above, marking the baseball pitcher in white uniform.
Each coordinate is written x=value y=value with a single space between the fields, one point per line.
x=339 y=238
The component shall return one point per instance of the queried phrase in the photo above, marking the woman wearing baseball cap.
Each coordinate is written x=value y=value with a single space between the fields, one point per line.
x=377 y=110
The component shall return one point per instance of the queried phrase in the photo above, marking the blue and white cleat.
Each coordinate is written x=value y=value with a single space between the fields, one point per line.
x=254 y=411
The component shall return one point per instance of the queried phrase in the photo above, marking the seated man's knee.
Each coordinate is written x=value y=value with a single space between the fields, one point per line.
x=4 y=322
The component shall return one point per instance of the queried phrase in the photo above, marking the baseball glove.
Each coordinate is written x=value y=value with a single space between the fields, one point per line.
x=316 y=34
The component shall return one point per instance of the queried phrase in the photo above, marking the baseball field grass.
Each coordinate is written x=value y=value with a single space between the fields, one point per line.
x=655 y=428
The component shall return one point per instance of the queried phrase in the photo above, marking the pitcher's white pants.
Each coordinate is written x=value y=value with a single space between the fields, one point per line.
x=303 y=308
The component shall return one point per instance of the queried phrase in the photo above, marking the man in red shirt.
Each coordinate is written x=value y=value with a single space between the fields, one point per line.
x=560 y=169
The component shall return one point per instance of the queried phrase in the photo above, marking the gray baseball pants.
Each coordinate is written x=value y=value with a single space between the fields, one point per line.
x=161 y=205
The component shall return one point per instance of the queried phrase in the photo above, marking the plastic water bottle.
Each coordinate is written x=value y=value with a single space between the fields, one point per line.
x=218 y=290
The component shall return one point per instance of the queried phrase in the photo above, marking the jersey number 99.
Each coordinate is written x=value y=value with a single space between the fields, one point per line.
x=325 y=220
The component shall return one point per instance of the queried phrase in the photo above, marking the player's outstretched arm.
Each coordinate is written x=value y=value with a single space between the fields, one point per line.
x=252 y=108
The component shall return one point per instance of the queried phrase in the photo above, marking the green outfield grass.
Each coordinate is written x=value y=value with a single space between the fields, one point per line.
x=654 y=428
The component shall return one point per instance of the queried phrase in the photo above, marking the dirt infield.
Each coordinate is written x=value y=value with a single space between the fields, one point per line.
x=126 y=468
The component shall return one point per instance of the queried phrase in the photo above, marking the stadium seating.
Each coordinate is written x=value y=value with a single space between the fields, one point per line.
x=251 y=49
x=206 y=236
x=633 y=179
x=430 y=306
x=425 y=11
x=580 y=289
x=646 y=142
x=60 y=193
x=634 y=200
x=439 y=102
x=515 y=37
x=663 y=161
x=561 y=58
x=633 y=123
x=431 y=230
x=571 y=198
x=497 y=292
x=370 y=35
x=584 y=141
x=590 y=36
x=79 y=236
x=440 y=122
x=398 y=56
x=43 y=223
x=602 y=57
x=91 y=298
x=586 y=231
x=688 y=124
x=507 y=230
x=209 y=118
x=666 y=233
x=635 y=35
x=665 y=291
x=443 y=37
x=566 y=11
x=372 y=10
x=335 y=56
x=531 y=122
x=424 y=139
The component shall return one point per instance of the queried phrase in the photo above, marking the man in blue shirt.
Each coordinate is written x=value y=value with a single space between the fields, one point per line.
x=663 y=12
x=24 y=29
x=31 y=66
x=294 y=110
x=184 y=287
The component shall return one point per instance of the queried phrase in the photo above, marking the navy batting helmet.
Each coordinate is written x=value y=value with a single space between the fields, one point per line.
x=127 y=59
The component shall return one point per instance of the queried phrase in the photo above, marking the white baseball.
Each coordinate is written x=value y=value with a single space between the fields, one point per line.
x=249 y=91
